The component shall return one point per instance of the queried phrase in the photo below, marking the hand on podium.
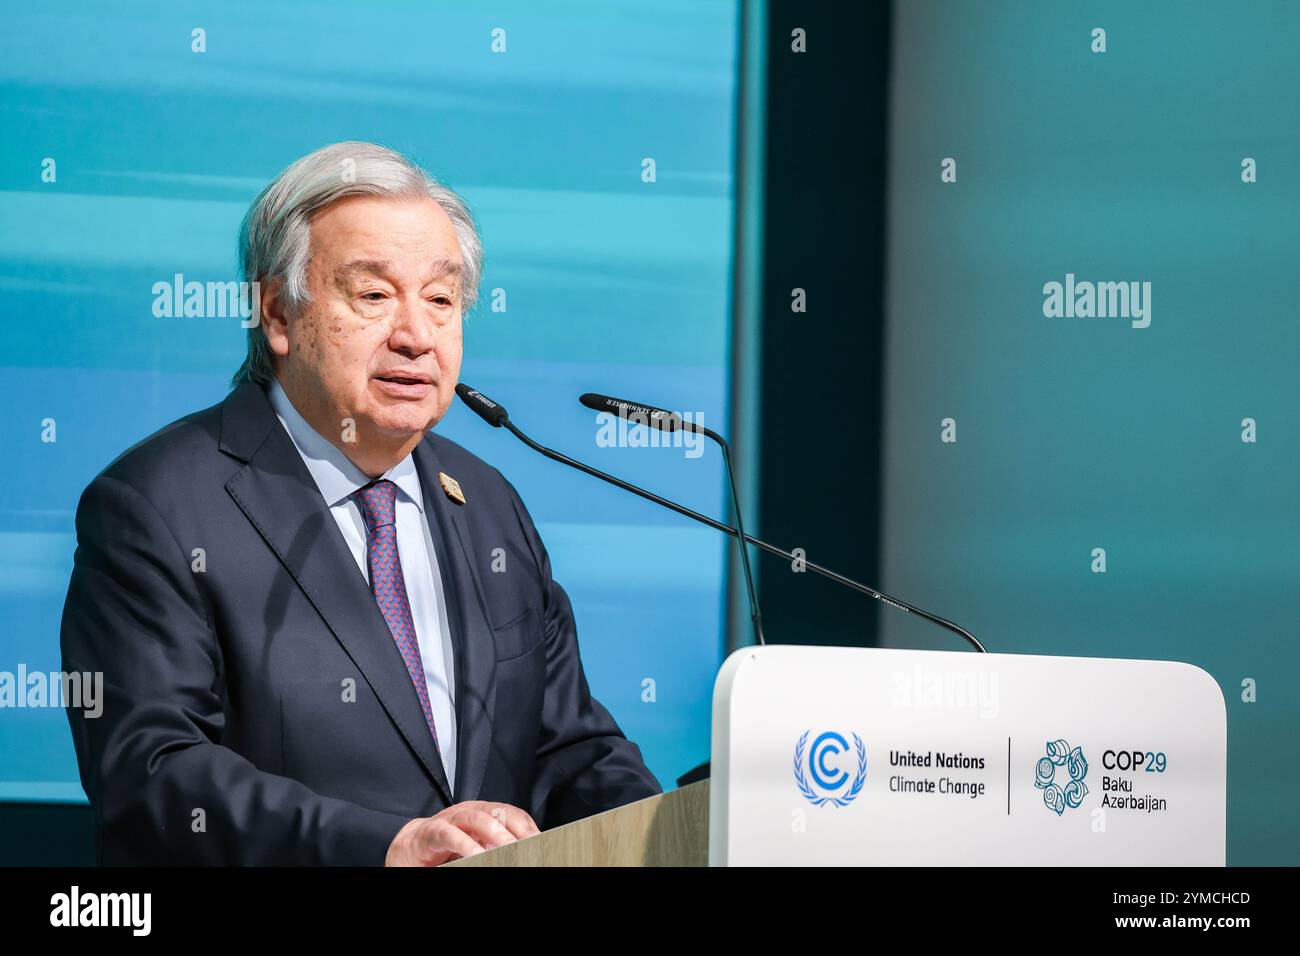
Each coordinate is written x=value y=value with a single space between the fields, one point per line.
x=463 y=829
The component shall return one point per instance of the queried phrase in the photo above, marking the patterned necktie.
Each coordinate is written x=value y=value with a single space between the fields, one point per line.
x=378 y=502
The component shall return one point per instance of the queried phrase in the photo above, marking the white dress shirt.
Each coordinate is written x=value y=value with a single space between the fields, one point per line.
x=337 y=478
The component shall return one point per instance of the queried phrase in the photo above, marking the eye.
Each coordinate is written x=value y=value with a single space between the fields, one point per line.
x=372 y=296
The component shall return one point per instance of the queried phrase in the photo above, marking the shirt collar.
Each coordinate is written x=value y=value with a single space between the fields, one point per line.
x=334 y=473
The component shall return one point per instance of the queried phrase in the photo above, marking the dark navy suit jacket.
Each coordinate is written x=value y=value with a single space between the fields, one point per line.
x=256 y=708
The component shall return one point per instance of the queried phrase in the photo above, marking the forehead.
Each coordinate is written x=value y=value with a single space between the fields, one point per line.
x=366 y=229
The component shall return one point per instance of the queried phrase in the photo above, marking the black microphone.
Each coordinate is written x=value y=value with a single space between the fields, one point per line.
x=484 y=407
x=496 y=416
x=670 y=422
x=658 y=417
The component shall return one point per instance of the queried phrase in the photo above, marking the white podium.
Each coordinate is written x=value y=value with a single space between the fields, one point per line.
x=852 y=756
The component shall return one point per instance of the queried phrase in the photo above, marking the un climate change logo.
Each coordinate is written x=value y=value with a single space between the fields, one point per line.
x=832 y=785
x=1055 y=796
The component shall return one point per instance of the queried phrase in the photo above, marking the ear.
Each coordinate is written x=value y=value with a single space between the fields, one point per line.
x=275 y=318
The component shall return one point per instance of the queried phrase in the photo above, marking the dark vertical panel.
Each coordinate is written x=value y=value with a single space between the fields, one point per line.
x=825 y=233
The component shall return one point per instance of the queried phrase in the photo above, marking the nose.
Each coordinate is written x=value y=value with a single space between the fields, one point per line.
x=413 y=332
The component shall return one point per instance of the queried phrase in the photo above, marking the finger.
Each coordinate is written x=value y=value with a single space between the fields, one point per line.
x=517 y=821
x=444 y=837
x=484 y=827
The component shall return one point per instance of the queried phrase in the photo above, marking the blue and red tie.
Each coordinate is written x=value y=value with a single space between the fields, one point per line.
x=378 y=503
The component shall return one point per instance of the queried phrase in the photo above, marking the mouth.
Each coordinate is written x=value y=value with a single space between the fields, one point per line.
x=408 y=385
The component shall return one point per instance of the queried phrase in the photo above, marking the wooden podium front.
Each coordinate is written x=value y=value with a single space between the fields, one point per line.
x=668 y=829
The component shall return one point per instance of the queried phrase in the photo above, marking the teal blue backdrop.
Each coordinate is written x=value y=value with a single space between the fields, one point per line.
x=1076 y=434
x=609 y=282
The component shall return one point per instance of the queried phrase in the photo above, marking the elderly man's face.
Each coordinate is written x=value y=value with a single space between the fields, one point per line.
x=380 y=342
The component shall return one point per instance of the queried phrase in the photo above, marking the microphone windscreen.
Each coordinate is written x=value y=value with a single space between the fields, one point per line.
x=486 y=409
x=635 y=412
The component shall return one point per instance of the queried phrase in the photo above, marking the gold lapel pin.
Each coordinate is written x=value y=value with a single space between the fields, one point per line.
x=452 y=487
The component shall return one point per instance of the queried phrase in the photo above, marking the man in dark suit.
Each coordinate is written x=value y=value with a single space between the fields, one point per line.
x=327 y=635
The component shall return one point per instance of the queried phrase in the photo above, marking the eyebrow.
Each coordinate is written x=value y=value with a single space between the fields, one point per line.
x=379 y=267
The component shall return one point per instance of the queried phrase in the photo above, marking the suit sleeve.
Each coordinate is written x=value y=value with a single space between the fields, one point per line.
x=162 y=787
x=585 y=764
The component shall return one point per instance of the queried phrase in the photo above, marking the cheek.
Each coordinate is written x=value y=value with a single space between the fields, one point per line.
x=317 y=339
x=449 y=353
x=347 y=347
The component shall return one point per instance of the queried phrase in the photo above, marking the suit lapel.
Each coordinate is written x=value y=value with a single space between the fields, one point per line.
x=467 y=615
x=277 y=493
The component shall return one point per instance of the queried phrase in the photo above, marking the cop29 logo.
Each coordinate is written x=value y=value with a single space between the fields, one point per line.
x=830 y=784
x=1055 y=796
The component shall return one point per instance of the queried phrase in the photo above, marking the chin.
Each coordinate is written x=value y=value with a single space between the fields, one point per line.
x=403 y=422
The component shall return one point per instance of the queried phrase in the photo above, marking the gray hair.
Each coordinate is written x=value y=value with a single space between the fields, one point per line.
x=274 y=238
